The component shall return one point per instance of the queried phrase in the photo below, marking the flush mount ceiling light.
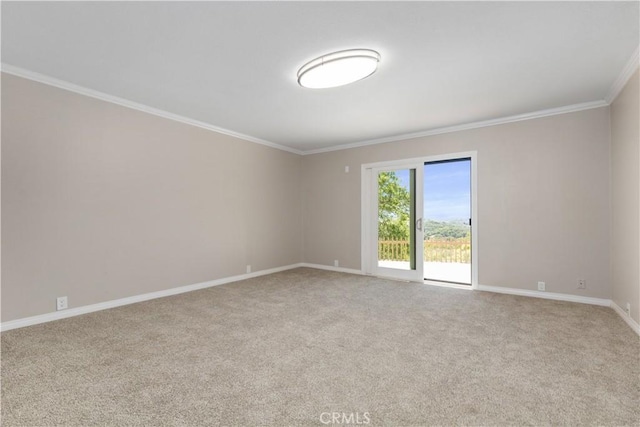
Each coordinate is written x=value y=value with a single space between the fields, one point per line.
x=338 y=68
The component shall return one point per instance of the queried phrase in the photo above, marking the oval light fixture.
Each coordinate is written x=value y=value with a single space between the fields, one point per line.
x=338 y=68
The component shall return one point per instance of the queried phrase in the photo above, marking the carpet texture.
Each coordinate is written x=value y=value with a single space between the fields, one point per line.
x=283 y=349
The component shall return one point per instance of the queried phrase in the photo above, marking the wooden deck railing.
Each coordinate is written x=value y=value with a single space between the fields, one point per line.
x=457 y=250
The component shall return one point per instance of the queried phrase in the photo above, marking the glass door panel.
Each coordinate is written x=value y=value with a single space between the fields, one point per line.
x=447 y=223
x=398 y=227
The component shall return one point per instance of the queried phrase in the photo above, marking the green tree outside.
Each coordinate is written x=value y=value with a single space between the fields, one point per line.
x=394 y=205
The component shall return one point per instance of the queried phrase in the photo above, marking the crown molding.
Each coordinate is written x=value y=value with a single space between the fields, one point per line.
x=624 y=76
x=467 y=126
x=41 y=78
x=61 y=84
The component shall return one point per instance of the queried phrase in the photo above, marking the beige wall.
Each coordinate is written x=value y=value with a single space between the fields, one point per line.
x=543 y=200
x=625 y=197
x=101 y=202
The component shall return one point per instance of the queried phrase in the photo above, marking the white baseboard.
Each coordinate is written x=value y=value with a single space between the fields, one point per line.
x=77 y=311
x=498 y=289
x=634 y=325
x=546 y=295
x=331 y=268
x=63 y=314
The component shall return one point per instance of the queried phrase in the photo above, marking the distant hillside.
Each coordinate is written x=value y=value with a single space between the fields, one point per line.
x=456 y=229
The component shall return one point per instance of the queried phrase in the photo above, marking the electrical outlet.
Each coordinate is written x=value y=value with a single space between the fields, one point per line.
x=61 y=303
x=582 y=284
x=248 y=269
x=346 y=169
x=628 y=309
x=541 y=286
x=336 y=263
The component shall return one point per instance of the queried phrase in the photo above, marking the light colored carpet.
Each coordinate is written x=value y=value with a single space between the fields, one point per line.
x=285 y=348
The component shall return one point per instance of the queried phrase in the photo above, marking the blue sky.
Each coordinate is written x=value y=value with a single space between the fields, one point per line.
x=447 y=193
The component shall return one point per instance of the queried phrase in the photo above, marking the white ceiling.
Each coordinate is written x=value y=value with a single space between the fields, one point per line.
x=233 y=64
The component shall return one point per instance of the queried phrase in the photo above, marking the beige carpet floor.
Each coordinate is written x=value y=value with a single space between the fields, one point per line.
x=284 y=349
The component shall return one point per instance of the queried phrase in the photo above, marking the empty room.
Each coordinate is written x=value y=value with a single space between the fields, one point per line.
x=320 y=213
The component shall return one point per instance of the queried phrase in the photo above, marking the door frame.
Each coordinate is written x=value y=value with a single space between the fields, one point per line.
x=367 y=202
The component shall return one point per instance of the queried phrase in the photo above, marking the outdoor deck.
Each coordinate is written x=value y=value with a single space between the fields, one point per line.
x=440 y=271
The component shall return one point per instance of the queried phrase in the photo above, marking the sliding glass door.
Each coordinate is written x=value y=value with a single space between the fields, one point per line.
x=418 y=217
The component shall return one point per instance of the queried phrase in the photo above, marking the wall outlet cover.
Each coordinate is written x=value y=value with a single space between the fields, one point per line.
x=62 y=303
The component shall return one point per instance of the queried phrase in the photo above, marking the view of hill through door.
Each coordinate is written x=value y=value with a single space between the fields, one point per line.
x=447 y=221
